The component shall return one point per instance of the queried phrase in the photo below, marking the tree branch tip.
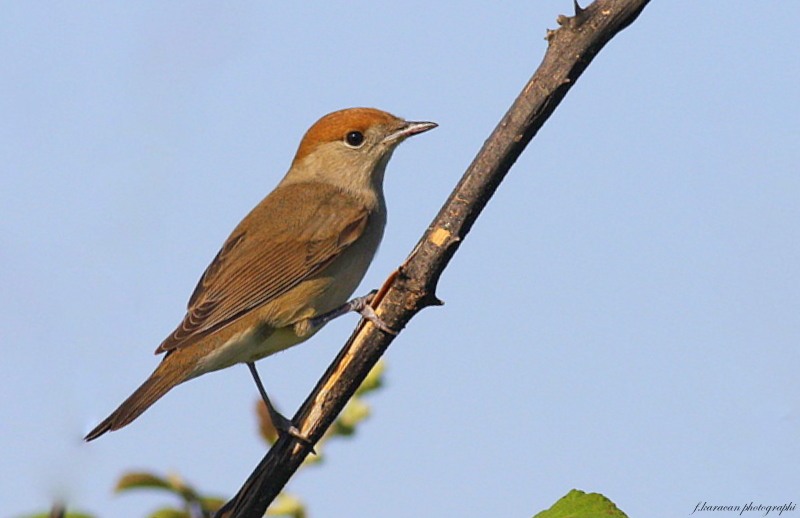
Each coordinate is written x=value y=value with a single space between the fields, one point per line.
x=433 y=300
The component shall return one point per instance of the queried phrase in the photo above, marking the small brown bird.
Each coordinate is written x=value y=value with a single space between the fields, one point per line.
x=290 y=266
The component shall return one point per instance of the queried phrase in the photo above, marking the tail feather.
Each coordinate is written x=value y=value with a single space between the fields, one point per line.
x=158 y=384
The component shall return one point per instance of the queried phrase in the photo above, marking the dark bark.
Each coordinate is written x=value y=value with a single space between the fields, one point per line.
x=413 y=286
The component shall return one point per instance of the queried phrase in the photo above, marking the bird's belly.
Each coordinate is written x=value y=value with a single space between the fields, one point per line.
x=248 y=346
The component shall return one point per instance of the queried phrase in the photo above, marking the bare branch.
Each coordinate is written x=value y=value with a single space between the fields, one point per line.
x=413 y=286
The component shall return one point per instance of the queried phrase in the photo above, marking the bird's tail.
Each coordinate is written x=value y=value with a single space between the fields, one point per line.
x=159 y=383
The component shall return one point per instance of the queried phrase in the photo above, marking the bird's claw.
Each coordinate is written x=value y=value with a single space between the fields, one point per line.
x=362 y=306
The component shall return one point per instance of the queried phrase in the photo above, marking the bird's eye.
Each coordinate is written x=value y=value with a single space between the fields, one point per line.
x=354 y=138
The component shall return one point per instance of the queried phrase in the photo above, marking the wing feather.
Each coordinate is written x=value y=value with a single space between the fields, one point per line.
x=255 y=266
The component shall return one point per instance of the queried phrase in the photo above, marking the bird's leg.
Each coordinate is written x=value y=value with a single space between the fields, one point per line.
x=361 y=306
x=281 y=423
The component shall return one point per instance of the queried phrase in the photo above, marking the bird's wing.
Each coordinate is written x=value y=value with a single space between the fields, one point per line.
x=256 y=266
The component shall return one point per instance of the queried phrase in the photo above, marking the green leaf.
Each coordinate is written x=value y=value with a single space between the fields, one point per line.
x=287 y=505
x=577 y=504
x=211 y=503
x=354 y=412
x=140 y=480
x=374 y=379
x=172 y=483
x=168 y=512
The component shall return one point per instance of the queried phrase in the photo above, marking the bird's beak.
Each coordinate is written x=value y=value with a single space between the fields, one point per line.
x=408 y=129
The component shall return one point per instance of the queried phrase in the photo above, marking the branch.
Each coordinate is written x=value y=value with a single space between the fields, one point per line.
x=413 y=286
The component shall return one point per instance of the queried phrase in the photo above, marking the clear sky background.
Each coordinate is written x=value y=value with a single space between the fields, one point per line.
x=624 y=317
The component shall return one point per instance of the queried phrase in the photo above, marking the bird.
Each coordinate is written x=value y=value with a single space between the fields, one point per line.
x=292 y=263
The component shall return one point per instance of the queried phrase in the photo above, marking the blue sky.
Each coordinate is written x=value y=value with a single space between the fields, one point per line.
x=623 y=318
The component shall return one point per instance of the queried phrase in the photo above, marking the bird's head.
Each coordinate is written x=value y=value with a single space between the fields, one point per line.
x=350 y=148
